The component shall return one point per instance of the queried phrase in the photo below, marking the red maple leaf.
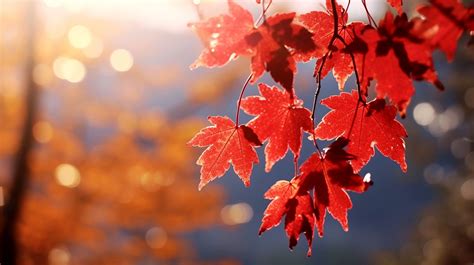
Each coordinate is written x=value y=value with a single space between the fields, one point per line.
x=275 y=44
x=228 y=144
x=280 y=119
x=298 y=208
x=366 y=126
x=223 y=36
x=397 y=4
x=397 y=50
x=271 y=46
x=321 y=24
x=331 y=175
x=451 y=19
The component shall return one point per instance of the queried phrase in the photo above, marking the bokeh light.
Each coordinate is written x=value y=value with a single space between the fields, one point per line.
x=79 y=36
x=235 y=214
x=121 y=60
x=59 y=256
x=424 y=113
x=433 y=173
x=42 y=75
x=156 y=237
x=460 y=148
x=67 y=175
x=469 y=161
x=467 y=189
x=42 y=132
x=69 y=69
x=469 y=97
x=432 y=248
x=152 y=181
x=446 y=121
x=451 y=118
x=94 y=49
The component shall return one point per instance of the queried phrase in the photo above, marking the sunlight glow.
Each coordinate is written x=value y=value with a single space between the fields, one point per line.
x=121 y=60
x=234 y=214
x=53 y=3
x=67 y=175
x=79 y=36
x=74 y=6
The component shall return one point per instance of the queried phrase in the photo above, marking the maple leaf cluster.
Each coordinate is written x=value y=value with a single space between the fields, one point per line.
x=392 y=54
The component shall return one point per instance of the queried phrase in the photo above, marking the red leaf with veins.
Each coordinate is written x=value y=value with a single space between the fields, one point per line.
x=281 y=119
x=228 y=144
x=338 y=59
x=330 y=176
x=298 y=208
x=366 y=126
x=451 y=19
x=321 y=24
x=223 y=36
x=398 y=53
x=273 y=46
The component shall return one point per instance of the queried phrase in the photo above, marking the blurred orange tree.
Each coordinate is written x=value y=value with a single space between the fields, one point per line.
x=88 y=179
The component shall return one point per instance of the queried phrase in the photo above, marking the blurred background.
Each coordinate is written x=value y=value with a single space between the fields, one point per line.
x=97 y=103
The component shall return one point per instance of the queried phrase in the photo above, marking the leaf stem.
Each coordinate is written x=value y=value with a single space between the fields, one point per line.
x=264 y=11
x=356 y=72
x=335 y=35
x=369 y=16
x=240 y=100
x=295 y=162
x=199 y=13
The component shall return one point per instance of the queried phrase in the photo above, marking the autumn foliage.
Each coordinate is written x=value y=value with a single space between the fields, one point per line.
x=385 y=56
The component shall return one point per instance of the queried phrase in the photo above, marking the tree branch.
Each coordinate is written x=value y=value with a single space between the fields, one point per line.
x=21 y=171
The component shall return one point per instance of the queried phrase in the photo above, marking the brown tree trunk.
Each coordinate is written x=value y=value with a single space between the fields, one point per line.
x=20 y=175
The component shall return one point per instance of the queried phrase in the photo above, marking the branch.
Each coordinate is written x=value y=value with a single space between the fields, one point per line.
x=21 y=170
